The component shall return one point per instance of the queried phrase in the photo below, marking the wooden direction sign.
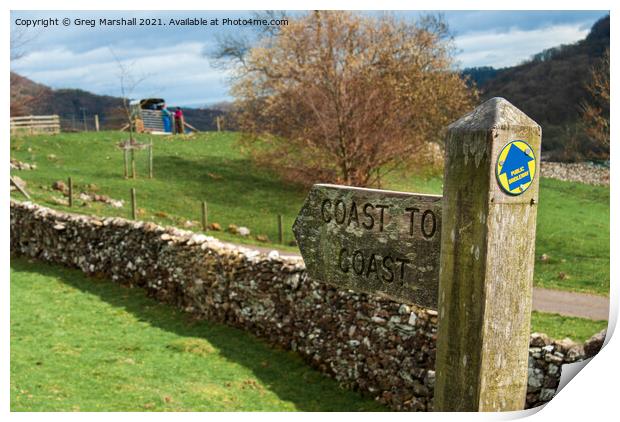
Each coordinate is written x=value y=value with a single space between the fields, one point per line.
x=374 y=241
x=389 y=243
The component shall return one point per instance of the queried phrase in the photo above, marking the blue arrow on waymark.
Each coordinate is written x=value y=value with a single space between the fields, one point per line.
x=516 y=167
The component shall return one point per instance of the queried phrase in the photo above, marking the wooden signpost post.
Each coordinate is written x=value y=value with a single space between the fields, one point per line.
x=468 y=254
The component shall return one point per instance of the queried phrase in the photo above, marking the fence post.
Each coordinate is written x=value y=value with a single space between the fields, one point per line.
x=133 y=163
x=56 y=123
x=487 y=260
x=19 y=188
x=151 y=159
x=217 y=121
x=204 y=216
x=97 y=122
x=70 y=192
x=126 y=170
x=280 y=231
x=133 y=203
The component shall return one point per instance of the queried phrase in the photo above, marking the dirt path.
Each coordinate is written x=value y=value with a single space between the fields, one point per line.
x=561 y=302
x=571 y=304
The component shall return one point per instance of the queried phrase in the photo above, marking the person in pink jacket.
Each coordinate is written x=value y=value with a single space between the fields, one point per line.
x=178 y=120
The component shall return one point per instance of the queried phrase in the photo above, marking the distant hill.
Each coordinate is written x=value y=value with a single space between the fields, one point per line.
x=550 y=87
x=73 y=104
x=480 y=75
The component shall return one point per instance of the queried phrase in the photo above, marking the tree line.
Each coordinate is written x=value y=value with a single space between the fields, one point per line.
x=566 y=90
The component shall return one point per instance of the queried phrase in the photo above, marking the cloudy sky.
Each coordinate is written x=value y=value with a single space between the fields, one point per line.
x=171 y=62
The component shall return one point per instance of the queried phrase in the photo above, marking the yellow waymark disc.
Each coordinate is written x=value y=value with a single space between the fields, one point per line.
x=516 y=167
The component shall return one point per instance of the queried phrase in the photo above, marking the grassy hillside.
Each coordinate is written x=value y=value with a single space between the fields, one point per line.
x=573 y=231
x=573 y=219
x=186 y=172
x=91 y=345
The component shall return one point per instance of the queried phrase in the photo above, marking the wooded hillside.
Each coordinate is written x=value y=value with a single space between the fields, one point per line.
x=551 y=88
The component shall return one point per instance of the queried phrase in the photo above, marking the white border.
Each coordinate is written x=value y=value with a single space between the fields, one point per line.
x=591 y=395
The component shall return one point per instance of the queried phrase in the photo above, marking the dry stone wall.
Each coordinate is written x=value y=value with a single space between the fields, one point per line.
x=381 y=347
x=588 y=173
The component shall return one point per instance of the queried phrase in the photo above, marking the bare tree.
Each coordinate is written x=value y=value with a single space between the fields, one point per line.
x=20 y=38
x=232 y=49
x=24 y=93
x=343 y=97
x=595 y=112
x=128 y=82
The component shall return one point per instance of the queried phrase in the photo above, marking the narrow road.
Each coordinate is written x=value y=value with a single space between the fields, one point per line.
x=582 y=305
x=561 y=302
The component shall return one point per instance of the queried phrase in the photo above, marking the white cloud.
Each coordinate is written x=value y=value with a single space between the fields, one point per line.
x=501 y=49
x=180 y=73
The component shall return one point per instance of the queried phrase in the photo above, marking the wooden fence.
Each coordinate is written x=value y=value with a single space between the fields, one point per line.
x=35 y=124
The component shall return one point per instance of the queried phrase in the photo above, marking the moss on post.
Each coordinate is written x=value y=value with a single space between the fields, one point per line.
x=486 y=265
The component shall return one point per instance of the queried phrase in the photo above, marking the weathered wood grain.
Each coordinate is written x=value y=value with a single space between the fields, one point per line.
x=487 y=262
x=374 y=241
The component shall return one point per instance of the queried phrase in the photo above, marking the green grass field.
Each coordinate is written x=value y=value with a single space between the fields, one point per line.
x=87 y=344
x=84 y=344
x=573 y=218
x=559 y=326
x=572 y=230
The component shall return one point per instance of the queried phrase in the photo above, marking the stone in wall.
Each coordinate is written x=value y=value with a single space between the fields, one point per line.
x=594 y=344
